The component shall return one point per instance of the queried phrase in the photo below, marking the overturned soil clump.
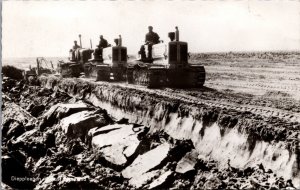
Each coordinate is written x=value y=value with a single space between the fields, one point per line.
x=52 y=140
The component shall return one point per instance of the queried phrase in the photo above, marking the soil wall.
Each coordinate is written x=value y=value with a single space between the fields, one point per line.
x=238 y=138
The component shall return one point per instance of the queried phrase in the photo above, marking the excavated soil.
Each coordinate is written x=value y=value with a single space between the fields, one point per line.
x=241 y=131
x=61 y=138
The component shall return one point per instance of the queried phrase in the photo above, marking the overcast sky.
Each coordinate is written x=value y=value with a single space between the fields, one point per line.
x=48 y=28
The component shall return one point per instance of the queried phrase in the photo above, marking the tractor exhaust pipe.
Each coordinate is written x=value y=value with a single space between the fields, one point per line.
x=80 y=40
x=120 y=41
x=176 y=34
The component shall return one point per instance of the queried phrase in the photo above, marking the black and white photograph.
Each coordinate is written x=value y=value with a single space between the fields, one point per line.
x=150 y=94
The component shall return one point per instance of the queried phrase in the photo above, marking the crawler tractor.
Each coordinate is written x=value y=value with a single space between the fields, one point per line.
x=104 y=64
x=77 y=58
x=108 y=64
x=167 y=66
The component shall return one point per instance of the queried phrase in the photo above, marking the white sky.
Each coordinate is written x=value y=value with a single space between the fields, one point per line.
x=48 y=28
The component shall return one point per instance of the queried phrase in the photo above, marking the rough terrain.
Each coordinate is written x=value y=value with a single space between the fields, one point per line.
x=76 y=133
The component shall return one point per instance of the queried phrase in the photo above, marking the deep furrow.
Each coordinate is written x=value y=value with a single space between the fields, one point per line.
x=258 y=110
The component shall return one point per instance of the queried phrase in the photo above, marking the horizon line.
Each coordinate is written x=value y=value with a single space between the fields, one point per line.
x=205 y=52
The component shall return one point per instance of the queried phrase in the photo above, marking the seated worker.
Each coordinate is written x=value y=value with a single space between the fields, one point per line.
x=150 y=39
x=74 y=55
x=98 y=51
x=76 y=46
x=103 y=42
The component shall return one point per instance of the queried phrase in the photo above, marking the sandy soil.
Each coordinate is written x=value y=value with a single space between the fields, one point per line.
x=277 y=74
x=267 y=80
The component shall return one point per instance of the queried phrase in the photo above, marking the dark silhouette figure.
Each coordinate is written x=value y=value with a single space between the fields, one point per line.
x=76 y=46
x=103 y=42
x=151 y=38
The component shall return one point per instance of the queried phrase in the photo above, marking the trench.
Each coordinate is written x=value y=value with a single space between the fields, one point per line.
x=221 y=135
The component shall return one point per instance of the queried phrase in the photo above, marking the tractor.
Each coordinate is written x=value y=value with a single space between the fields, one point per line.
x=77 y=58
x=108 y=64
x=166 y=66
x=103 y=64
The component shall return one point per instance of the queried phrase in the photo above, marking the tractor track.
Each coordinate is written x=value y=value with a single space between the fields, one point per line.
x=267 y=112
x=255 y=85
x=183 y=96
x=256 y=71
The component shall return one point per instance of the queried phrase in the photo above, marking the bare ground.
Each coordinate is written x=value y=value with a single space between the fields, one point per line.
x=255 y=93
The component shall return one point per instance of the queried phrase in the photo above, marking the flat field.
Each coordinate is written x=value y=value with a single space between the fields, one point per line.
x=267 y=82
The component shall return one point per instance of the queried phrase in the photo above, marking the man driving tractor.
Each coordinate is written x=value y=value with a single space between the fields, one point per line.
x=73 y=54
x=103 y=42
x=76 y=46
x=150 y=39
x=98 y=51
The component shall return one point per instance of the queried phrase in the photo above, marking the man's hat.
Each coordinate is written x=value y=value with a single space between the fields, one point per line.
x=75 y=41
x=150 y=27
